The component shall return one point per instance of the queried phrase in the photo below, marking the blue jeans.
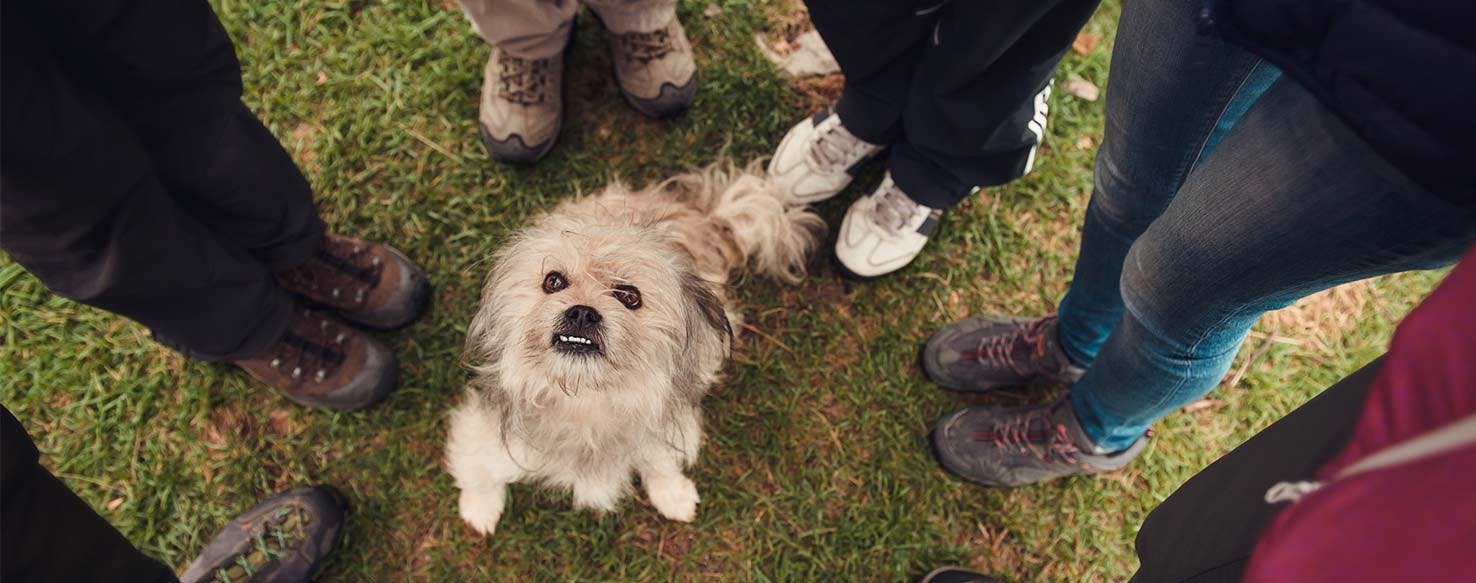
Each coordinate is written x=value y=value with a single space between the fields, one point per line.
x=1221 y=192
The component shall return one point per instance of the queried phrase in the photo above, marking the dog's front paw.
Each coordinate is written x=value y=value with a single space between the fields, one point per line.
x=482 y=509
x=674 y=497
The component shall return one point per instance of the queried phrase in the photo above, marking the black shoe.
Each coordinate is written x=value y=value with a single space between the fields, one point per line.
x=980 y=353
x=283 y=539
x=957 y=575
x=1016 y=446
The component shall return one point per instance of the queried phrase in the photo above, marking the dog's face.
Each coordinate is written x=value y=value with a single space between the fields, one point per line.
x=585 y=306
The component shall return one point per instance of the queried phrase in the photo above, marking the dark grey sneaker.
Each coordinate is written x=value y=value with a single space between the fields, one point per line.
x=980 y=353
x=957 y=575
x=283 y=539
x=1003 y=447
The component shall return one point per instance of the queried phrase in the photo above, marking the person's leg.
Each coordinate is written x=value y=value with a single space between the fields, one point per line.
x=650 y=54
x=84 y=211
x=627 y=16
x=1292 y=202
x=973 y=113
x=876 y=45
x=1172 y=93
x=1206 y=529
x=51 y=535
x=169 y=71
x=975 y=110
x=522 y=102
x=527 y=29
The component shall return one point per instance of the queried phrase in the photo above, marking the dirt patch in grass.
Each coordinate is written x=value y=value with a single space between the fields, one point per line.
x=302 y=139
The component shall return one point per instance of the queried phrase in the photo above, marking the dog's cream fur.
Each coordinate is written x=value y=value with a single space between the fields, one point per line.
x=587 y=423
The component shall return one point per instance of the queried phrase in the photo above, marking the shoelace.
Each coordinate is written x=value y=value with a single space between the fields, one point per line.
x=892 y=210
x=282 y=531
x=522 y=80
x=646 y=46
x=1000 y=351
x=341 y=270
x=316 y=345
x=836 y=149
x=1035 y=434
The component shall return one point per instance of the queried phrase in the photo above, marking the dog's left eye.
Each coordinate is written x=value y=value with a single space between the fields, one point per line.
x=628 y=295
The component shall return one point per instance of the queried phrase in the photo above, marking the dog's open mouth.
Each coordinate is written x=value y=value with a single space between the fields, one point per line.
x=576 y=344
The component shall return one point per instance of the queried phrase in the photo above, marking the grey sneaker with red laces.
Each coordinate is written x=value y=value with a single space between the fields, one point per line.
x=1005 y=447
x=980 y=353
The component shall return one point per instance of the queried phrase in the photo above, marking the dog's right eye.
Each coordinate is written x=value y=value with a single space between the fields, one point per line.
x=554 y=282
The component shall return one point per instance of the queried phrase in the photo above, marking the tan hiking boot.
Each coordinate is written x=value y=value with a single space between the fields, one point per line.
x=369 y=284
x=522 y=106
x=322 y=362
x=655 y=70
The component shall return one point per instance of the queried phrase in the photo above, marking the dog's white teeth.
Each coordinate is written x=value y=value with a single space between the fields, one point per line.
x=575 y=339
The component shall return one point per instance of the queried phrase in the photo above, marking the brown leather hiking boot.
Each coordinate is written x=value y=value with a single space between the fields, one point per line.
x=321 y=362
x=368 y=284
x=655 y=70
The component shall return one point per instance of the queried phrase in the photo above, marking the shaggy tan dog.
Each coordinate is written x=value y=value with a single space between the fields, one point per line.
x=601 y=327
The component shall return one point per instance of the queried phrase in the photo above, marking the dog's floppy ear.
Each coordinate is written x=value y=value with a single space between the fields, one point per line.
x=707 y=304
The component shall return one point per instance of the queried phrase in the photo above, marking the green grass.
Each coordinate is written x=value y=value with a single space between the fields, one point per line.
x=816 y=466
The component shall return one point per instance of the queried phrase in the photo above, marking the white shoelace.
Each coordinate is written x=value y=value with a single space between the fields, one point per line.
x=837 y=148
x=892 y=210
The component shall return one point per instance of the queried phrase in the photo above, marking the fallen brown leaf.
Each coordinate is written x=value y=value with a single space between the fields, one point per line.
x=1085 y=42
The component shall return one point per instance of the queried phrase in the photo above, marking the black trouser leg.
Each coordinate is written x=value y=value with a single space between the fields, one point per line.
x=955 y=82
x=878 y=46
x=84 y=210
x=170 y=72
x=1206 y=530
x=48 y=534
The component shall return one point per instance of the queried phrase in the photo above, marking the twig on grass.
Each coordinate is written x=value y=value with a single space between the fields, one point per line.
x=745 y=326
x=1245 y=367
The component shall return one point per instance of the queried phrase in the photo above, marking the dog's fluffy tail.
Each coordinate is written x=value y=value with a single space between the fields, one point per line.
x=747 y=221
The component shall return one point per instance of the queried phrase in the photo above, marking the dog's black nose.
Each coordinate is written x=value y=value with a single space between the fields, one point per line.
x=582 y=316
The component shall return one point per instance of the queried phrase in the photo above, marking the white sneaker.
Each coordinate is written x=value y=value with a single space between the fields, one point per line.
x=884 y=231
x=817 y=157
